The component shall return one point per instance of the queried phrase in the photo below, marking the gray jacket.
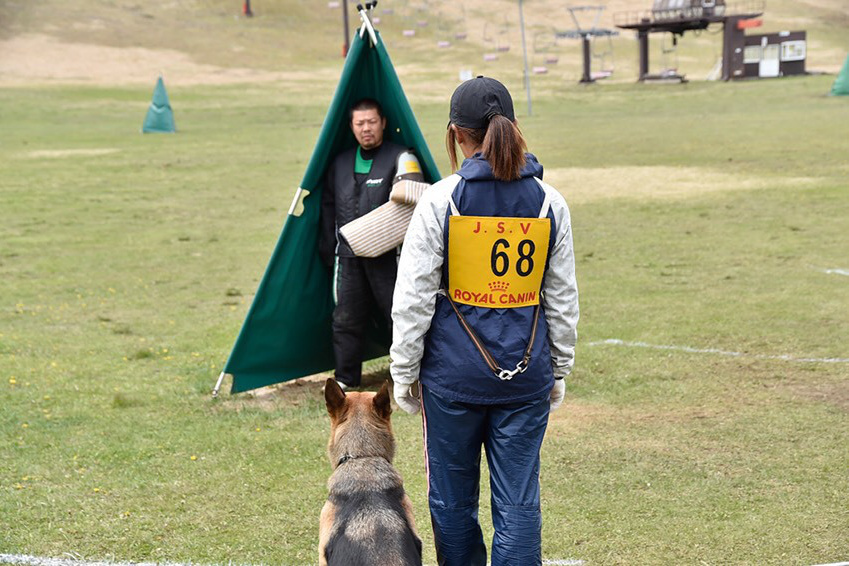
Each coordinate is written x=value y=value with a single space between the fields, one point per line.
x=420 y=273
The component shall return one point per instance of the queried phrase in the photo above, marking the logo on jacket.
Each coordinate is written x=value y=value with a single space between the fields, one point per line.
x=498 y=286
x=374 y=182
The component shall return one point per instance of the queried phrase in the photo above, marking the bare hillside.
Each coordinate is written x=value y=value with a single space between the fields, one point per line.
x=209 y=41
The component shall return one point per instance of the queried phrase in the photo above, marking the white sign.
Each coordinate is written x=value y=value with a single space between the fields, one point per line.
x=752 y=54
x=794 y=50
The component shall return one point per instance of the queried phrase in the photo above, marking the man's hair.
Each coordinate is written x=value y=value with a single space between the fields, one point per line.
x=366 y=104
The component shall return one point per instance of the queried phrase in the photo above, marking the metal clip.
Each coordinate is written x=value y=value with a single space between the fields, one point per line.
x=507 y=375
x=522 y=365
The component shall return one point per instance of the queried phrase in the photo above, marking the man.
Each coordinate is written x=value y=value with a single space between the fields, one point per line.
x=358 y=181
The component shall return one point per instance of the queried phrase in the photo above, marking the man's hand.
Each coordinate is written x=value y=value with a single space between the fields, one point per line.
x=558 y=393
x=405 y=399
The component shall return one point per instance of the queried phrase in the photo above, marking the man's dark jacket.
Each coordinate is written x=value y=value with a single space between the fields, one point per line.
x=344 y=199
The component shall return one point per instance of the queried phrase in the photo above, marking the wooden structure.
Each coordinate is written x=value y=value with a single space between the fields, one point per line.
x=769 y=55
x=679 y=16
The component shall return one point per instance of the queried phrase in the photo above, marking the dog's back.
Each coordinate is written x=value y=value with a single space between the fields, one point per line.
x=370 y=524
x=368 y=518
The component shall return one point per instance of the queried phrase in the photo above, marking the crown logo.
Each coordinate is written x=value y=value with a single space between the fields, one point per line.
x=498 y=286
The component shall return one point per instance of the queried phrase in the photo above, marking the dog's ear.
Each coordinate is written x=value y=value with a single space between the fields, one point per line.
x=334 y=397
x=382 y=406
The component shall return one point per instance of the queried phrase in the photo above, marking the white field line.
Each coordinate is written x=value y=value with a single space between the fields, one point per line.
x=835 y=564
x=688 y=349
x=40 y=561
x=838 y=272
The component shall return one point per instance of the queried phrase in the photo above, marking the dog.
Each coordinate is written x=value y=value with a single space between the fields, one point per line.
x=368 y=517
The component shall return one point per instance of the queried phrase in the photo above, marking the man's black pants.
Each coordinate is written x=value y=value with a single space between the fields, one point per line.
x=361 y=285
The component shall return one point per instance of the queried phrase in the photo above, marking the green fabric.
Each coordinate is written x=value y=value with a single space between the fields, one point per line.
x=841 y=85
x=287 y=332
x=362 y=166
x=160 y=117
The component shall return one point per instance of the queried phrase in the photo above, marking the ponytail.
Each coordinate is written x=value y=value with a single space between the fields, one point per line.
x=502 y=145
x=504 y=148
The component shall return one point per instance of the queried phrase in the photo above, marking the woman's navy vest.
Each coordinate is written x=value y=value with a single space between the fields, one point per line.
x=452 y=367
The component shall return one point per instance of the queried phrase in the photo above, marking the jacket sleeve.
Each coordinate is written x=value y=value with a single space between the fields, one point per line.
x=327 y=223
x=560 y=290
x=419 y=276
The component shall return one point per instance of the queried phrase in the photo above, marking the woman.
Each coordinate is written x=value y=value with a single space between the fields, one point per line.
x=484 y=318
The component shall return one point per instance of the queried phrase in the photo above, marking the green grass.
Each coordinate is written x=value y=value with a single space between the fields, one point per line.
x=126 y=276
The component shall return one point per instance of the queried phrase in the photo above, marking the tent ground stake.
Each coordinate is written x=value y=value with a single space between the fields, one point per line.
x=218 y=385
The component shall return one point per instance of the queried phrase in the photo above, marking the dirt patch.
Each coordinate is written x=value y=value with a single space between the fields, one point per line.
x=575 y=416
x=58 y=153
x=589 y=185
x=38 y=58
x=295 y=393
x=835 y=394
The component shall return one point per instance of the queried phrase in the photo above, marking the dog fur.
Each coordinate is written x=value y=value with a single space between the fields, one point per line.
x=368 y=517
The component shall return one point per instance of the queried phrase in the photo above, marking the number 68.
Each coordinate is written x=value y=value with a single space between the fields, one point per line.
x=500 y=261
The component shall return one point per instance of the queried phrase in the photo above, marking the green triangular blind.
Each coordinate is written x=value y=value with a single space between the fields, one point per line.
x=841 y=85
x=287 y=332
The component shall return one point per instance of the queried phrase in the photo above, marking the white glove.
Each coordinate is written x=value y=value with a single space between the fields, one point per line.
x=558 y=393
x=405 y=399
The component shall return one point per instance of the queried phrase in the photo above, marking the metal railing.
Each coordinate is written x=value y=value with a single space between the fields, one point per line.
x=689 y=13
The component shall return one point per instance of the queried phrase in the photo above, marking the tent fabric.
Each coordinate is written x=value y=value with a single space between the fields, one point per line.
x=287 y=333
x=841 y=85
x=160 y=117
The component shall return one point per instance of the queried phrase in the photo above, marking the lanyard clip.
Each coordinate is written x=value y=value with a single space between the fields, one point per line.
x=507 y=375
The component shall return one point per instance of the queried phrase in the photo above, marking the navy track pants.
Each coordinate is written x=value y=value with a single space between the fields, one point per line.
x=512 y=436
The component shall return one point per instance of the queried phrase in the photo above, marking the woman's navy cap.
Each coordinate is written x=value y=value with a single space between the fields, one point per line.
x=477 y=100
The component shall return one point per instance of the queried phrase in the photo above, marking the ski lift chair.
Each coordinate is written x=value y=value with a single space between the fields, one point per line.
x=494 y=36
x=669 y=69
x=462 y=24
x=542 y=45
x=605 y=59
x=445 y=26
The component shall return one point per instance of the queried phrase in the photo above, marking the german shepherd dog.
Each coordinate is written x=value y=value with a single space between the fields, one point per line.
x=368 y=518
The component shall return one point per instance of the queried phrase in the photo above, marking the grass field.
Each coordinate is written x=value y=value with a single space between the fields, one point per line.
x=128 y=263
x=705 y=216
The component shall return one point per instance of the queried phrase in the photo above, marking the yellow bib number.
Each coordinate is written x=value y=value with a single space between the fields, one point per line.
x=496 y=262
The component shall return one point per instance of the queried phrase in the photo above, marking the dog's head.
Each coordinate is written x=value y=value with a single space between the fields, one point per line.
x=360 y=424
